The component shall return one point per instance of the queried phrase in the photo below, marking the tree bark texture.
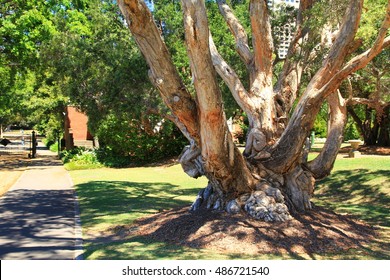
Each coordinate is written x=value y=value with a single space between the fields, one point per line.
x=272 y=177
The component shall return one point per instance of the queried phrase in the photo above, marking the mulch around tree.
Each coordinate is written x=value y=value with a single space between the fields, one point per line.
x=319 y=231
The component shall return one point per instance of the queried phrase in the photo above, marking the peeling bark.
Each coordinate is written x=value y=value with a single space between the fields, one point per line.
x=222 y=160
x=162 y=73
x=272 y=178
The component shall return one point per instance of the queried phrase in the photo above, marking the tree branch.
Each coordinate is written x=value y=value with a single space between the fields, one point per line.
x=340 y=47
x=302 y=120
x=238 y=32
x=373 y=103
x=363 y=59
x=220 y=154
x=323 y=163
x=262 y=41
x=356 y=63
x=163 y=73
x=290 y=77
x=232 y=80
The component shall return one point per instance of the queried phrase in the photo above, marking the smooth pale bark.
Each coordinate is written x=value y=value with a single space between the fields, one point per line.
x=221 y=157
x=322 y=165
x=232 y=80
x=262 y=43
x=238 y=31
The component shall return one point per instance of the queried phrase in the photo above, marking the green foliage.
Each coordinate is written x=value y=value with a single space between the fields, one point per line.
x=320 y=128
x=56 y=53
x=126 y=141
x=351 y=132
x=52 y=145
x=80 y=158
x=111 y=85
x=321 y=123
x=371 y=20
x=79 y=52
x=25 y=95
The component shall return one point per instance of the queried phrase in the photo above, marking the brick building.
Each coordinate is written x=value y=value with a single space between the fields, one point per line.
x=76 y=129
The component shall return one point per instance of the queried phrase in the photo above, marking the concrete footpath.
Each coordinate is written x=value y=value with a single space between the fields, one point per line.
x=39 y=217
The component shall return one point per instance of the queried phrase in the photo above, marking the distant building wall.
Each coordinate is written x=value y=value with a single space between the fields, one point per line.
x=285 y=33
x=76 y=129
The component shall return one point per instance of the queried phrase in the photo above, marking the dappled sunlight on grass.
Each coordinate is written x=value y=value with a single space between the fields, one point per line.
x=363 y=192
x=118 y=202
x=110 y=197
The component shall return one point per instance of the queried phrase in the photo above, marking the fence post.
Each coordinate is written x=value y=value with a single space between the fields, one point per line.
x=34 y=145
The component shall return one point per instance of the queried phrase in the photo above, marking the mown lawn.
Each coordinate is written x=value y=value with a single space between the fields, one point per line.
x=360 y=187
x=110 y=197
x=114 y=197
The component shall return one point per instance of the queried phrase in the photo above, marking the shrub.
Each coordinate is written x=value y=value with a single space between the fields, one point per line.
x=80 y=158
x=124 y=142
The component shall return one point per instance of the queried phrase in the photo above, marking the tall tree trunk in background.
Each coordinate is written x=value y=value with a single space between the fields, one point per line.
x=384 y=130
x=271 y=178
x=375 y=127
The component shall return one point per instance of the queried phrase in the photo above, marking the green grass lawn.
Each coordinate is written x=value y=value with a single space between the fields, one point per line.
x=359 y=186
x=119 y=196
x=115 y=197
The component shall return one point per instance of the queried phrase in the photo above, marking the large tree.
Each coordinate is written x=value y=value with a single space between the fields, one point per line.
x=272 y=172
x=369 y=106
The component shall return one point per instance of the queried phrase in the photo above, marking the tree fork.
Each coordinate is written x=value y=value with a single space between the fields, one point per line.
x=221 y=157
x=270 y=175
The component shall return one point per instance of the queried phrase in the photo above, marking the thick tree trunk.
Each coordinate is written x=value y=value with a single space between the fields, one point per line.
x=373 y=129
x=384 y=133
x=272 y=177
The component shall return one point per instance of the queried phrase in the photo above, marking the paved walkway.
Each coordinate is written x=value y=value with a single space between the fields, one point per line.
x=39 y=214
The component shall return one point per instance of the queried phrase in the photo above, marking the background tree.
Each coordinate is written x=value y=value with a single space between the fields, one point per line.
x=272 y=172
x=24 y=26
x=96 y=65
x=367 y=90
x=80 y=53
x=369 y=106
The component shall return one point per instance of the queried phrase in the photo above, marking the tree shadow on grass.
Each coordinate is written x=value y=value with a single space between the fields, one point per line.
x=100 y=200
x=172 y=233
x=352 y=192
